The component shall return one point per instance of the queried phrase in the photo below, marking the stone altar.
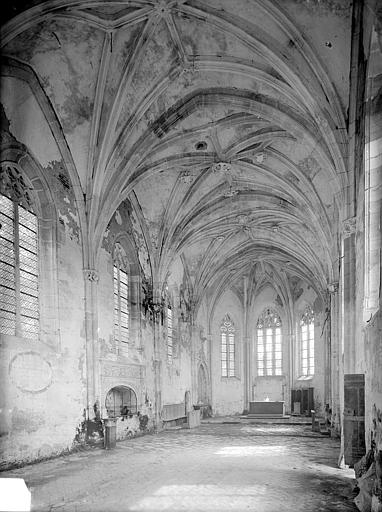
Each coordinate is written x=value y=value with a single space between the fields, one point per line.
x=266 y=408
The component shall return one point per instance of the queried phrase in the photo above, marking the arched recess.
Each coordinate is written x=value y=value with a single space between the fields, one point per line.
x=121 y=401
x=226 y=388
x=19 y=169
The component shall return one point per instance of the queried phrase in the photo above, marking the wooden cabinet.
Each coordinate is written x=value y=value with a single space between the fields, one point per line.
x=304 y=397
x=354 y=418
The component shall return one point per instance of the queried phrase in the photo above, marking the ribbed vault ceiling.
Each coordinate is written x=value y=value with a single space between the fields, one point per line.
x=223 y=123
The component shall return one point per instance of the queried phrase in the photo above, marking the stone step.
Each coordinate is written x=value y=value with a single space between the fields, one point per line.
x=251 y=416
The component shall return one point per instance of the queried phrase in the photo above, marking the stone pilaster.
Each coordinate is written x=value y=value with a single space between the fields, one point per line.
x=91 y=278
x=349 y=293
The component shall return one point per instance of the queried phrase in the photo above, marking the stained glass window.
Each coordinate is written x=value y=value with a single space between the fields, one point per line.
x=121 y=300
x=227 y=330
x=269 y=344
x=307 y=342
x=170 y=340
x=19 y=304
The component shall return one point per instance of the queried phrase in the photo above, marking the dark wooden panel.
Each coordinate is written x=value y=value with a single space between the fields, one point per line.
x=354 y=418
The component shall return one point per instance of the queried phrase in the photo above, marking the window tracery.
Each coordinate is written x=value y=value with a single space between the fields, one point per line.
x=227 y=330
x=269 y=344
x=307 y=342
x=19 y=257
x=121 y=299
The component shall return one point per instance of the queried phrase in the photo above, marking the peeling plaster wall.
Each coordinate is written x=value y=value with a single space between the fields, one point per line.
x=27 y=122
x=44 y=384
x=177 y=377
x=116 y=369
x=44 y=380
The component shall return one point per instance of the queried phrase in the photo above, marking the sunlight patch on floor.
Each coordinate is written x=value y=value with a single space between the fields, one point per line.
x=267 y=429
x=203 y=497
x=248 y=451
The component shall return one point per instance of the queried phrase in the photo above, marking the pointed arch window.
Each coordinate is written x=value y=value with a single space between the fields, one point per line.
x=269 y=344
x=121 y=299
x=19 y=259
x=227 y=330
x=307 y=342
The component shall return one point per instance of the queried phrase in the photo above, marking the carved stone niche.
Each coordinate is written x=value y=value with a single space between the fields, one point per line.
x=349 y=227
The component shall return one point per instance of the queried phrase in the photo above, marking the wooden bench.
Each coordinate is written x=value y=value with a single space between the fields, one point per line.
x=174 y=414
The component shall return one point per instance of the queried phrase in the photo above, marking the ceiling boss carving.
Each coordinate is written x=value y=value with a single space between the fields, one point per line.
x=223 y=167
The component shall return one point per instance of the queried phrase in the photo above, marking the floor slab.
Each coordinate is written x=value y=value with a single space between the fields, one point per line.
x=215 y=467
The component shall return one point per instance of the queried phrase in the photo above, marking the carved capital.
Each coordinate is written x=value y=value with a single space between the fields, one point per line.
x=91 y=275
x=333 y=287
x=349 y=227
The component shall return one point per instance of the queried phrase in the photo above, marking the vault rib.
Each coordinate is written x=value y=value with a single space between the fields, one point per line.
x=177 y=41
x=97 y=110
x=126 y=78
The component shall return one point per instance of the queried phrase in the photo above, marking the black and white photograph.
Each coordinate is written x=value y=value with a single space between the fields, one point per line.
x=191 y=256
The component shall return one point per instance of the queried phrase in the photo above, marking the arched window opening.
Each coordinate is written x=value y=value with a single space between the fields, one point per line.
x=269 y=348
x=373 y=180
x=170 y=337
x=19 y=258
x=121 y=299
x=227 y=330
x=121 y=401
x=307 y=342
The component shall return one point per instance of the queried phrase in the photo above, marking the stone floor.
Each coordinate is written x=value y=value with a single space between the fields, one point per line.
x=215 y=467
